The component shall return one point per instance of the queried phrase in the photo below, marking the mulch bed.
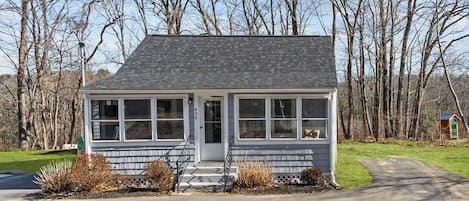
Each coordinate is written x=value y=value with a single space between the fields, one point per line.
x=282 y=189
x=100 y=195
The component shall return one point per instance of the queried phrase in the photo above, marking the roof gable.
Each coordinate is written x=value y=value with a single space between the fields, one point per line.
x=448 y=116
x=226 y=62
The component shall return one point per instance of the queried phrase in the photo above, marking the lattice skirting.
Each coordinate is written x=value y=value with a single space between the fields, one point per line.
x=287 y=178
x=292 y=178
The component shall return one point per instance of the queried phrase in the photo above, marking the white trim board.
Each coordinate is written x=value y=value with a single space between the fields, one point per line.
x=211 y=91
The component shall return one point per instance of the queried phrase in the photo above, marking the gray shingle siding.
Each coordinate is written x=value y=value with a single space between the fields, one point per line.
x=226 y=62
x=286 y=158
x=132 y=160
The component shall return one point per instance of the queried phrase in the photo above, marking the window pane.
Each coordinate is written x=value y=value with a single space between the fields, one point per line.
x=138 y=130
x=170 y=129
x=252 y=129
x=252 y=108
x=105 y=130
x=137 y=109
x=212 y=111
x=104 y=109
x=212 y=132
x=283 y=129
x=314 y=108
x=170 y=108
x=314 y=128
x=283 y=108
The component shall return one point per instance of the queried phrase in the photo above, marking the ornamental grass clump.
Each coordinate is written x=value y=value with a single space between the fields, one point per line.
x=312 y=176
x=160 y=176
x=253 y=174
x=90 y=173
x=53 y=177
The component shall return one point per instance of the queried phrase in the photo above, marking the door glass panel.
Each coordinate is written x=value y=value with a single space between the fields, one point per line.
x=212 y=122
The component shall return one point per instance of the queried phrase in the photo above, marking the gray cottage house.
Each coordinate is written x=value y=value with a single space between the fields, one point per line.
x=202 y=103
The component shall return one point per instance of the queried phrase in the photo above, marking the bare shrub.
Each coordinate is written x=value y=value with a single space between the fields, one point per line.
x=159 y=175
x=253 y=174
x=312 y=176
x=53 y=178
x=91 y=171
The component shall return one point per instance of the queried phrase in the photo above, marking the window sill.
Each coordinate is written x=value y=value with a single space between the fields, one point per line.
x=252 y=139
x=314 y=139
x=282 y=142
x=170 y=140
x=139 y=140
x=283 y=139
x=106 y=141
x=137 y=143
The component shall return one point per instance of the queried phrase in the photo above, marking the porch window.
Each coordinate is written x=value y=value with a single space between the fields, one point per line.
x=137 y=118
x=170 y=119
x=252 y=120
x=283 y=118
x=105 y=119
x=314 y=118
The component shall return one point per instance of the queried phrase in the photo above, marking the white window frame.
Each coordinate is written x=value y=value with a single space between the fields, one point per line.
x=138 y=120
x=268 y=140
x=104 y=120
x=266 y=110
x=291 y=119
x=121 y=120
x=185 y=118
x=314 y=119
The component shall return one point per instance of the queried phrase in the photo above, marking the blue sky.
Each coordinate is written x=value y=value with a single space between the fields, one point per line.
x=316 y=26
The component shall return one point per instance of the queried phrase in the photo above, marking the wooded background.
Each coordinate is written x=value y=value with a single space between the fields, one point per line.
x=400 y=63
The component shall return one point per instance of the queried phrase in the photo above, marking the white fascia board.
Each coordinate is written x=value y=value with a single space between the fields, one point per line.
x=222 y=91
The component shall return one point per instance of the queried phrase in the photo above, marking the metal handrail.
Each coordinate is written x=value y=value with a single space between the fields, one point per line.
x=180 y=162
x=227 y=168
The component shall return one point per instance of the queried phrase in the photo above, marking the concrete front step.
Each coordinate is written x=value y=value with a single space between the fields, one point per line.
x=205 y=177
x=207 y=170
x=204 y=187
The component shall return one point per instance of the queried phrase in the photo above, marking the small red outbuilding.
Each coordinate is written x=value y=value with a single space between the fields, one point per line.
x=449 y=125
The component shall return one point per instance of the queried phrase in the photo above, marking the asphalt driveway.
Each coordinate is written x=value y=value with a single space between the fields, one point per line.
x=17 y=187
x=394 y=179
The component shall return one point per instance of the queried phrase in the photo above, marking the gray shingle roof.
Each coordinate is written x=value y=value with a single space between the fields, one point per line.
x=226 y=62
x=447 y=116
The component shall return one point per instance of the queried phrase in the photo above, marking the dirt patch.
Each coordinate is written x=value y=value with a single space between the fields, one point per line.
x=282 y=189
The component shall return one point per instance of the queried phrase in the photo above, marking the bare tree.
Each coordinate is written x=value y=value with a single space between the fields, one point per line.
x=350 y=19
x=411 y=6
x=21 y=80
x=172 y=11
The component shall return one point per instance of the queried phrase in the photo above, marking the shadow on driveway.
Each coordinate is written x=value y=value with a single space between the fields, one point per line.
x=19 y=187
x=18 y=182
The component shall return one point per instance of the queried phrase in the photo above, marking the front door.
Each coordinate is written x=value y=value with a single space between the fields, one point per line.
x=211 y=135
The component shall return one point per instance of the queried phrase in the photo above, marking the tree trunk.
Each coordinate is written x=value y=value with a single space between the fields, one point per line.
x=349 y=134
x=23 y=142
x=410 y=13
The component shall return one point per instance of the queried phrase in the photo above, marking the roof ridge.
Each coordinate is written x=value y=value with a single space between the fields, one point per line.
x=244 y=36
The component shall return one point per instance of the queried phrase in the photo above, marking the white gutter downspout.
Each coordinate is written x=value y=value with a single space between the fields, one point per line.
x=333 y=137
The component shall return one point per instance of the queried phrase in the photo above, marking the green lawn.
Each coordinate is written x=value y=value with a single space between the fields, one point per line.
x=351 y=174
x=31 y=161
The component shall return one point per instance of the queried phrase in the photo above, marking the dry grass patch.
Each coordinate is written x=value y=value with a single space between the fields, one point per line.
x=252 y=174
x=160 y=176
x=54 y=177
